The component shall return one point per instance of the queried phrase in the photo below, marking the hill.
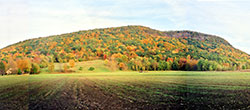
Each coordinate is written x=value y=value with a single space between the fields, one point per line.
x=132 y=47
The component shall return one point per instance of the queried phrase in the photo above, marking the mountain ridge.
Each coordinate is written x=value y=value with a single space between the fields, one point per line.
x=130 y=44
x=167 y=33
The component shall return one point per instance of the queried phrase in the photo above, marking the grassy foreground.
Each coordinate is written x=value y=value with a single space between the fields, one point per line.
x=126 y=90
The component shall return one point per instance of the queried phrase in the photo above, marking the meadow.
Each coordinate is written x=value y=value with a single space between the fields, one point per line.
x=126 y=90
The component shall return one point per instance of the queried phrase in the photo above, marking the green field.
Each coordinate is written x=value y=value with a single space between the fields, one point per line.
x=126 y=90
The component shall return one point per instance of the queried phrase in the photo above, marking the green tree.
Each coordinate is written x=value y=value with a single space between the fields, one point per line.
x=175 y=65
x=167 y=66
x=2 y=68
x=155 y=65
x=162 y=65
x=35 y=69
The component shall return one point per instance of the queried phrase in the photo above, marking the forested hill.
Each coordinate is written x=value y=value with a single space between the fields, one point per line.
x=133 y=47
x=196 y=35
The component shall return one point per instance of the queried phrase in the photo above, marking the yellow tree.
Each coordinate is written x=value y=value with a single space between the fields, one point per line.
x=71 y=63
x=65 y=67
x=122 y=66
x=51 y=67
x=24 y=65
x=11 y=67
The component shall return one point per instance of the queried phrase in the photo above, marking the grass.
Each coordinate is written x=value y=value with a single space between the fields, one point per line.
x=99 y=66
x=103 y=89
x=126 y=90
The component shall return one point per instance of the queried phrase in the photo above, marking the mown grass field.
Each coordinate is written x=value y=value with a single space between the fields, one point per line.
x=126 y=90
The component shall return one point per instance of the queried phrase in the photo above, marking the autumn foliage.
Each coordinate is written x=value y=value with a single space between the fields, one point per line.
x=129 y=47
x=24 y=65
x=71 y=63
x=51 y=67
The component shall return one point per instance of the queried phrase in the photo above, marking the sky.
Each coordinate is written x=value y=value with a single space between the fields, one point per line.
x=26 y=19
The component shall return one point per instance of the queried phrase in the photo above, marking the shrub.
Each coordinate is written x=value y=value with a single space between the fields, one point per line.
x=19 y=72
x=80 y=59
x=35 y=69
x=91 y=69
x=244 y=67
x=81 y=68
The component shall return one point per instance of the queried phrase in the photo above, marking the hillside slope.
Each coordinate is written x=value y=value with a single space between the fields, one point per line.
x=134 y=47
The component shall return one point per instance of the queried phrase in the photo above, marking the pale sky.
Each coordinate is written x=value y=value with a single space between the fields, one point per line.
x=25 y=19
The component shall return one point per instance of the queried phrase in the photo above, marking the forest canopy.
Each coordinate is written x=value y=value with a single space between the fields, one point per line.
x=127 y=48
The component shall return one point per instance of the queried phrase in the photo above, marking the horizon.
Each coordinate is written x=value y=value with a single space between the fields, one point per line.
x=26 y=19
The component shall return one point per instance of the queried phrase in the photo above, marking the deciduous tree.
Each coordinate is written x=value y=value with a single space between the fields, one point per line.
x=35 y=68
x=51 y=67
x=2 y=68
x=72 y=63
x=24 y=65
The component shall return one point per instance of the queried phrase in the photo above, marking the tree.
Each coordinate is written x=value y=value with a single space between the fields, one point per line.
x=138 y=62
x=182 y=63
x=24 y=65
x=60 y=60
x=35 y=68
x=213 y=65
x=175 y=65
x=2 y=68
x=104 y=56
x=201 y=65
x=191 y=65
x=51 y=67
x=147 y=64
x=19 y=71
x=234 y=67
x=161 y=65
x=155 y=65
x=11 y=67
x=205 y=65
x=65 y=67
x=113 y=64
x=71 y=63
x=131 y=64
x=244 y=67
x=167 y=66
x=122 y=66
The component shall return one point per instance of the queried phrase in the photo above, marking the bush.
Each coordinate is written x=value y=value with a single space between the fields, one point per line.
x=80 y=59
x=244 y=67
x=35 y=69
x=91 y=69
x=81 y=68
x=19 y=72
